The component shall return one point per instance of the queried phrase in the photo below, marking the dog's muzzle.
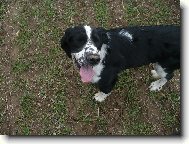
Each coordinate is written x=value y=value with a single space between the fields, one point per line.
x=92 y=59
x=86 y=60
x=88 y=56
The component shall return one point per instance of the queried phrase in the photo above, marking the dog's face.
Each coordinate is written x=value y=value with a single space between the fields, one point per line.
x=83 y=44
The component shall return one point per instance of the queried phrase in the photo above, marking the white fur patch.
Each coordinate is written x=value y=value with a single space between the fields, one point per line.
x=79 y=56
x=90 y=47
x=154 y=74
x=100 y=96
x=108 y=35
x=97 y=70
x=88 y=31
x=160 y=71
x=126 y=34
x=99 y=67
x=157 y=85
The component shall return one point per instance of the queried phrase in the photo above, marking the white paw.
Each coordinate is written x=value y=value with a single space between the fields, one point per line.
x=154 y=74
x=100 y=96
x=157 y=85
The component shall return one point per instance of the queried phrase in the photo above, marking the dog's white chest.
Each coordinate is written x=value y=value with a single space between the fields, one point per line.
x=99 y=67
x=97 y=70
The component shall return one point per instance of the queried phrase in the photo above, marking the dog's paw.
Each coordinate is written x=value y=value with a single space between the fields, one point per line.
x=154 y=74
x=157 y=85
x=100 y=96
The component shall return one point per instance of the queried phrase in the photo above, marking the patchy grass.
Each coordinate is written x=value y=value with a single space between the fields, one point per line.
x=150 y=12
x=2 y=12
x=26 y=104
x=42 y=93
x=101 y=11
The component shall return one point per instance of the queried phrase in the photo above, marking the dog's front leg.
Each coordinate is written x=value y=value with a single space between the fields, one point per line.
x=100 y=96
x=105 y=84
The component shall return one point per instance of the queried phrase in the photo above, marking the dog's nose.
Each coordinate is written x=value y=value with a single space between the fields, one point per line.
x=93 y=58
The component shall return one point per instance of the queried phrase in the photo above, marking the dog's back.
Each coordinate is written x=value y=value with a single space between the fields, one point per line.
x=137 y=46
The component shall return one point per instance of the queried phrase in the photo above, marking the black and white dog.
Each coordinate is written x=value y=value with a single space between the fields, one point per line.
x=101 y=54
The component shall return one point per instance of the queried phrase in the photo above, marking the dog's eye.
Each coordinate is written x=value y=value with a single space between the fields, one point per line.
x=95 y=38
x=81 y=39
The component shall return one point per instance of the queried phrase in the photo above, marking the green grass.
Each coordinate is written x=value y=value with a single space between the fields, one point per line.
x=2 y=12
x=21 y=66
x=50 y=98
x=69 y=12
x=148 y=12
x=138 y=128
x=3 y=100
x=101 y=11
x=2 y=9
x=27 y=105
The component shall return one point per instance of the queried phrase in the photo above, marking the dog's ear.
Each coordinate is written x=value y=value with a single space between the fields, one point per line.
x=65 y=40
x=103 y=34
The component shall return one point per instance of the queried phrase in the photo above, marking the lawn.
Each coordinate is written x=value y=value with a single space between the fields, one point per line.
x=40 y=91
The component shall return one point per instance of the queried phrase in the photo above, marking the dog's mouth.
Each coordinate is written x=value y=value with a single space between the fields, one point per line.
x=85 y=70
x=86 y=73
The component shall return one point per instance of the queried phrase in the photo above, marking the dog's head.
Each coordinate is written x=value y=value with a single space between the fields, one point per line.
x=83 y=44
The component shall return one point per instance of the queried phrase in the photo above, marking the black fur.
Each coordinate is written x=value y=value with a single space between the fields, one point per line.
x=73 y=39
x=149 y=44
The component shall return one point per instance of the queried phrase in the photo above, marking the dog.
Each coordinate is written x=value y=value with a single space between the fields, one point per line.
x=100 y=54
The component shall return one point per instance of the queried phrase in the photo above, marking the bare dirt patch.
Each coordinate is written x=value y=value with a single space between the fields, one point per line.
x=117 y=17
x=9 y=55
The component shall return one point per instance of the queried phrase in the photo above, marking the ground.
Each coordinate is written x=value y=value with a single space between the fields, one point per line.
x=41 y=92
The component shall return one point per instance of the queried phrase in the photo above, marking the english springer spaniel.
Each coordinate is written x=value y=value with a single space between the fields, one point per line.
x=101 y=54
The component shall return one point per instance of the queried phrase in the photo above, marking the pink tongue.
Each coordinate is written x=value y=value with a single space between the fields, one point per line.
x=86 y=73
